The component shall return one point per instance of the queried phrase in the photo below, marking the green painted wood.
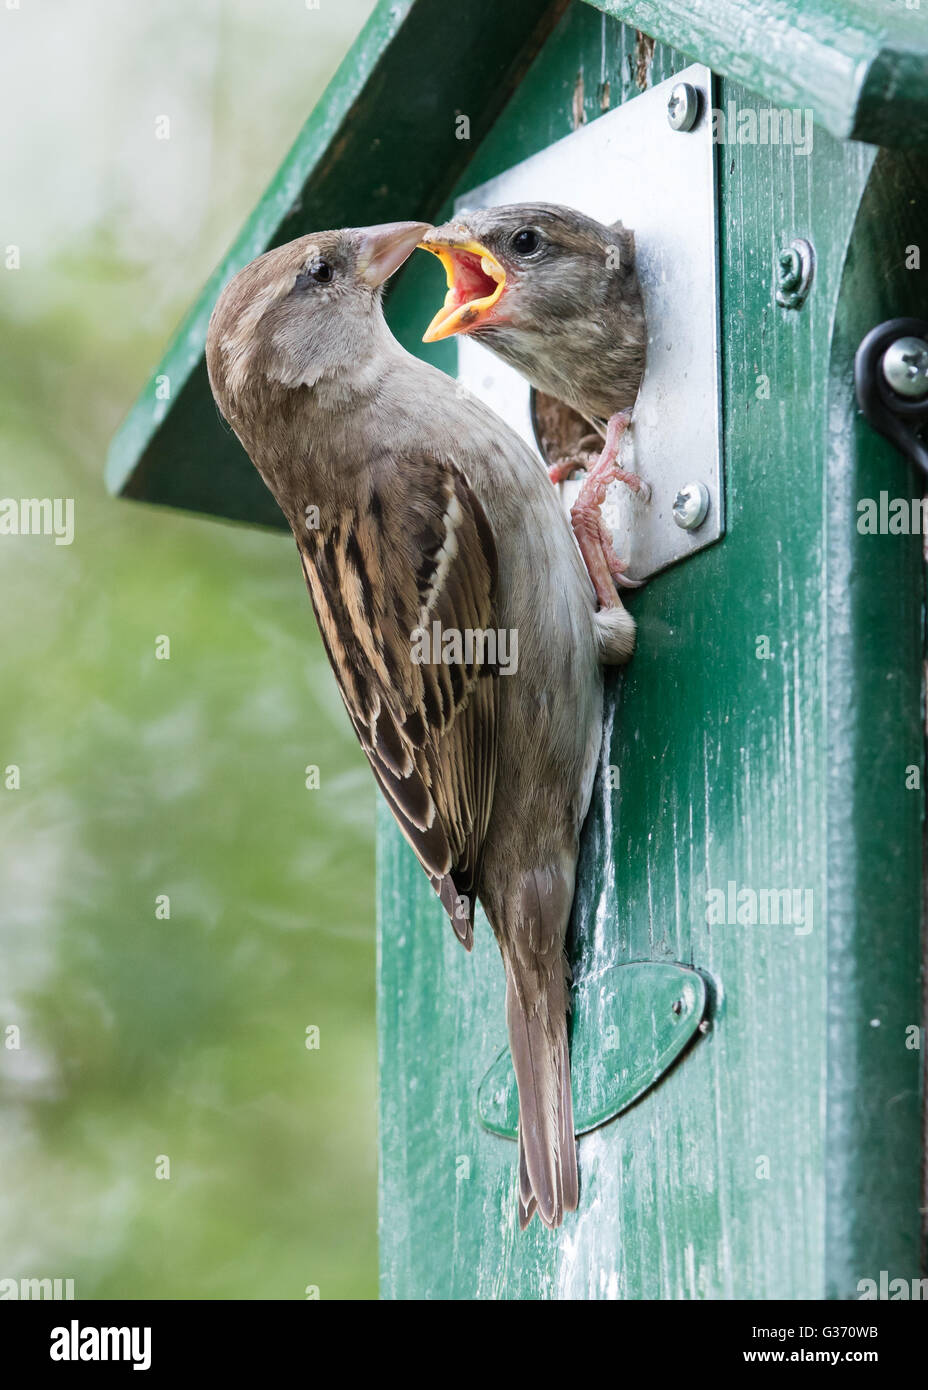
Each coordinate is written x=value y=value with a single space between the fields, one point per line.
x=874 y=734
x=781 y=1156
x=380 y=146
x=629 y=1024
x=860 y=65
x=382 y=143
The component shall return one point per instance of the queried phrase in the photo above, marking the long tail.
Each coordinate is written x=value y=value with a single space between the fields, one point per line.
x=536 y=1013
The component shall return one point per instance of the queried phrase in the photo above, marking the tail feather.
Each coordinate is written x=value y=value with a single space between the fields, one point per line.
x=527 y=1203
x=570 y=1185
x=548 y=1180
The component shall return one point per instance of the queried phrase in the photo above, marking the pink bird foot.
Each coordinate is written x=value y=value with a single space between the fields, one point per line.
x=559 y=472
x=561 y=469
x=593 y=536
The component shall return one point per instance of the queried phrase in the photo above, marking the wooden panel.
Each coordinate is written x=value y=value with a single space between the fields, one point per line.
x=873 y=739
x=861 y=65
x=780 y=1158
x=380 y=146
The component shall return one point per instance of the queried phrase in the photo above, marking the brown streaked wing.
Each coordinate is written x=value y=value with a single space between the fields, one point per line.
x=417 y=550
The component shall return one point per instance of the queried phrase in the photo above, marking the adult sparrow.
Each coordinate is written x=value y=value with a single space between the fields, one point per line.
x=456 y=614
x=556 y=295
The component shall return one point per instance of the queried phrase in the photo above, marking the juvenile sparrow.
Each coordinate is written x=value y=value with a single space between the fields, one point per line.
x=556 y=295
x=456 y=614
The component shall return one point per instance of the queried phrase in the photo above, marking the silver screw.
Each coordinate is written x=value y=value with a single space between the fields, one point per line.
x=690 y=506
x=683 y=106
x=905 y=367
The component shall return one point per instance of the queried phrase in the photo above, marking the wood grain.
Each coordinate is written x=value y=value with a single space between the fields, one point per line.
x=780 y=1157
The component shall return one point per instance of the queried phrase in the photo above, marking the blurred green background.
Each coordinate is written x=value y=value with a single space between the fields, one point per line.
x=142 y=1036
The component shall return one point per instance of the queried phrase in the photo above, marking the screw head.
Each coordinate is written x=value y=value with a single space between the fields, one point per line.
x=789 y=269
x=683 y=106
x=795 y=267
x=690 y=506
x=905 y=367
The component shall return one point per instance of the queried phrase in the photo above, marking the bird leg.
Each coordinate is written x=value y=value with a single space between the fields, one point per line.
x=593 y=536
x=561 y=469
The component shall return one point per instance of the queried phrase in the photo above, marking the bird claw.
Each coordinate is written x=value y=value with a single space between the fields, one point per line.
x=617 y=567
x=594 y=539
x=560 y=471
x=625 y=582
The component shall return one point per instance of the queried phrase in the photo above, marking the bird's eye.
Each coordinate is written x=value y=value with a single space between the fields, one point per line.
x=525 y=241
x=318 y=272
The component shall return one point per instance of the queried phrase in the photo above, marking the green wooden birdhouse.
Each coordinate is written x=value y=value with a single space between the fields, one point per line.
x=747 y=1030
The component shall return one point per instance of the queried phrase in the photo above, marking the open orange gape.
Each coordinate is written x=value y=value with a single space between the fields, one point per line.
x=475 y=282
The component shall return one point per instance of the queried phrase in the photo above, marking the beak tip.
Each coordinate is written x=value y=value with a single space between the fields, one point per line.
x=383 y=249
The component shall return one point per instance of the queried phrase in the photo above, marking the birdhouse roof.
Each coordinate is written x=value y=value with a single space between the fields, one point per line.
x=379 y=146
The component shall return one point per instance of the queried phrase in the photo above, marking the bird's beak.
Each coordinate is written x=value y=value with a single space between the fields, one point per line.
x=383 y=249
x=475 y=282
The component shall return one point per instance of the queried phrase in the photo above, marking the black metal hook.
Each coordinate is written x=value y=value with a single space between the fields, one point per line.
x=894 y=416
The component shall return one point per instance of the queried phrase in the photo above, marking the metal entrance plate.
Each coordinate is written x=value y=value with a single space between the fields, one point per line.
x=631 y=164
x=628 y=1026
